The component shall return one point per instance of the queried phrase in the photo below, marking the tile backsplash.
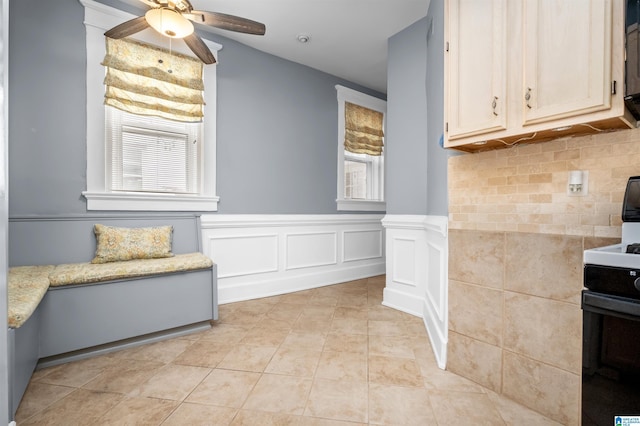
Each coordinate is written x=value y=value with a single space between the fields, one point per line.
x=524 y=188
x=515 y=262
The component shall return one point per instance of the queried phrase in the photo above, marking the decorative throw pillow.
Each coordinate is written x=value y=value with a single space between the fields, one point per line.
x=115 y=244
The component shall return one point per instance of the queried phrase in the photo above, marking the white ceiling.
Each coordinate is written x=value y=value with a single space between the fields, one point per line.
x=348 y=38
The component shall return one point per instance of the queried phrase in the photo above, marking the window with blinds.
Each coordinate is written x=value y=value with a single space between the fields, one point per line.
x=152 y=154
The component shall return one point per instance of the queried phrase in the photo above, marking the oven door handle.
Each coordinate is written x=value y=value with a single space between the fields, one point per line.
x=601 y=303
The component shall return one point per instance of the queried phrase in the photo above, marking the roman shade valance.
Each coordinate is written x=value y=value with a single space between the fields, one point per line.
x=147 y=80
x=363 y=130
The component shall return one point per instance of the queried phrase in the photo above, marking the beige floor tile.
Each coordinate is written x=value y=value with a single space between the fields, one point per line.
x=437 y=379
x=308 y=323
x=315 y=421
x=383 y=313
x=165 y=351
x=279 y=394
x=174 y=382
x=396 y=346
x=395 y=405
x=81 y=407
x=414 y=326
x=387 y=328
x=139 y=412
x=248 y=358
x=513 y=413
x=203 y=353
x=262 y=418
x=225 y=333
x=294 y=362
x=224 y=388
x=349 y=326
x=200 y=415
x=340 y=342
x=351 y=366
x=338 y=400
x=323 y=300
x=388 y=370
x=75 y=374
x=300 y=340
x=39 y=396
x=468 y=408
x=125 y=376
x=263 y=336
x=346 y=312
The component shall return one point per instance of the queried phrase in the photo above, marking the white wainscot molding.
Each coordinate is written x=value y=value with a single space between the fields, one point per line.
x=266 y=255
x=417 y=273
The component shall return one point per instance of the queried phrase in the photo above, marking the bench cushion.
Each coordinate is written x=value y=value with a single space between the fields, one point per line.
x=84 y=273
x=26 y=287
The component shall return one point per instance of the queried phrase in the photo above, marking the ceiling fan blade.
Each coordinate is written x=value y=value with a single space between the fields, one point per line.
x=198 y=47
x=127 y=28
x=226 y=22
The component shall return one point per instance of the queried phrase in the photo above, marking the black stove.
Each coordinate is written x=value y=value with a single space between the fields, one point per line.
x=611 y=323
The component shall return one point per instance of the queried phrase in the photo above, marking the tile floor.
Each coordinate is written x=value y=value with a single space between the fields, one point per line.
x=327 y=356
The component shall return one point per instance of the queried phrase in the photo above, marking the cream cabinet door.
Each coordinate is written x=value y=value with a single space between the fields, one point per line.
x=566 y=58
x=477 y=67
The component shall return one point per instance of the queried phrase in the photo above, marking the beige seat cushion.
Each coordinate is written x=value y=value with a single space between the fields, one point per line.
x=26 y=287
x=84 y=273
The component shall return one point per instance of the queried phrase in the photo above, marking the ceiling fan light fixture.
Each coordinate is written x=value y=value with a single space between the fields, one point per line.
x=169 y=22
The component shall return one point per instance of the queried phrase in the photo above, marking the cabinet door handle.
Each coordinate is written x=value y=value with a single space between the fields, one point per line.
x=494 y=104
x=527 y=97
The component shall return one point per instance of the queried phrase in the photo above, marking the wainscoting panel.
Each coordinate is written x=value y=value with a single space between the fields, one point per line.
x=311 y=249
x=362 y=245
x=238 y=255
x=266 y=255
x=417 y=273
x=404 y=261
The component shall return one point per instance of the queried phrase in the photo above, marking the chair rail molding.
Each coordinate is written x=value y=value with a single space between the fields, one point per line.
x=417 y=273
x=266 y=255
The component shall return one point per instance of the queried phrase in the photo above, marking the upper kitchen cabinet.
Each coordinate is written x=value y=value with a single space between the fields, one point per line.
x=546 y=69
x=478 y=66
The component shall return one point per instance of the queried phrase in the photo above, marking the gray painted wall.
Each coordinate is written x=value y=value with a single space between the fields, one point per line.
x=417 y=178
x=406 y=132
x=277 y=121
x=437 y=199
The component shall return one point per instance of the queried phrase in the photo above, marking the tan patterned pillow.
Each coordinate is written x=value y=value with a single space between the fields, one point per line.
x=115 y=244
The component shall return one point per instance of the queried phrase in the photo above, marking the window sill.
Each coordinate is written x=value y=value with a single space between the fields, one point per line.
x=362 y=205
x=136 y=201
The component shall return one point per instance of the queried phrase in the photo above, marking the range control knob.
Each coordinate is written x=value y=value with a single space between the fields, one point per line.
x=636 y=284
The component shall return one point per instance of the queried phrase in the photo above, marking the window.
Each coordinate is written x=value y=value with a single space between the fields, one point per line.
x=140 y=162
x=151 y=154
x=360 y=173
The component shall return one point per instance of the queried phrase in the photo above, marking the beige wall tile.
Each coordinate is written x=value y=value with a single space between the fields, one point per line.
x=548 y=390
x=475 y=360
x=476 y=312
x=476 y=257
x=544 y=265
x=545 y=330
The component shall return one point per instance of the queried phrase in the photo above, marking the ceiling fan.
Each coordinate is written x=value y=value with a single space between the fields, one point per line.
x=172 y=18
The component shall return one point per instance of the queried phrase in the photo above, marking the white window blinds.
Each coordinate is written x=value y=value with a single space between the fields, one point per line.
x=150 y=154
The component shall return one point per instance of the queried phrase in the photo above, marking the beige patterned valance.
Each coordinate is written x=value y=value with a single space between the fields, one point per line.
x=363 y=130
x=148 y=80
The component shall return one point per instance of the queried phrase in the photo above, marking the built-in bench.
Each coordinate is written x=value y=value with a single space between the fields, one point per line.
x=62 y=307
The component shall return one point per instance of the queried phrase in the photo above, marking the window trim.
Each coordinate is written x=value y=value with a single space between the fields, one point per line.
x=99 y=18
x=349 y=95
